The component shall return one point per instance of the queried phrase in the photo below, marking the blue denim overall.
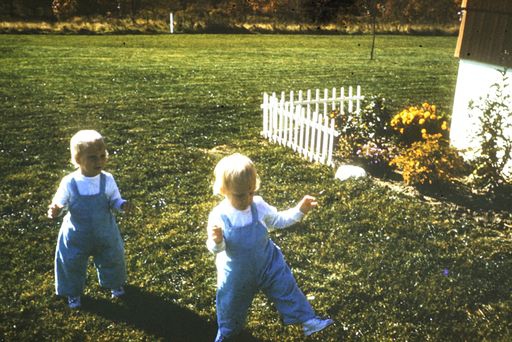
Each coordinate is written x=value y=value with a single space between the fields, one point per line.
x=88 y=229
x=252 y=262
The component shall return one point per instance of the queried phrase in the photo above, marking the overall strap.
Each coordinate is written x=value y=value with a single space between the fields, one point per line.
x=103 y=180
x=254 y=213
x=226 y=221
x=74 y=187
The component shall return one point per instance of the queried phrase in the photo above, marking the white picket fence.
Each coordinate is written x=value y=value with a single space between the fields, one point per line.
x=304 y=124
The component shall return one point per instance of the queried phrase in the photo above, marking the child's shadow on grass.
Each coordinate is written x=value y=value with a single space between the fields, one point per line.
x=156 y=316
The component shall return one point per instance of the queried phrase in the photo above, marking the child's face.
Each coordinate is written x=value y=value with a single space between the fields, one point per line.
x=93 y=159
x=240 y=196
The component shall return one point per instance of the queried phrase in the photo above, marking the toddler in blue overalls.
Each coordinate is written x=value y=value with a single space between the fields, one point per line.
x=247 y=260
x=89 y=195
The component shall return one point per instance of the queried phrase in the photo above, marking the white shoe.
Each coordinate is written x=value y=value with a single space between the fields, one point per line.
x=74 y=302
x=116 y=293
x=316 y=324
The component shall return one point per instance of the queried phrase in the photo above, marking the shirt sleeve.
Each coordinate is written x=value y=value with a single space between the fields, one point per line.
x=214 y=219
x=112 y=192
x=275 y=219
x=61 y=197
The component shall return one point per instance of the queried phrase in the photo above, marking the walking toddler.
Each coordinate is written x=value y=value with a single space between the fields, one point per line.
x=89 y=194
x=246 y=258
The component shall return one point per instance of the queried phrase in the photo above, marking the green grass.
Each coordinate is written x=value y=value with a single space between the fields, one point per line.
x=385 y=265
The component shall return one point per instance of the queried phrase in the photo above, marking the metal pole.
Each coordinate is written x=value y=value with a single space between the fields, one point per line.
x=374 y=15
x=171 y=22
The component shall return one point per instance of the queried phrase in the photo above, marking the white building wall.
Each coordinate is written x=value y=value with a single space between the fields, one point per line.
x=474 y=81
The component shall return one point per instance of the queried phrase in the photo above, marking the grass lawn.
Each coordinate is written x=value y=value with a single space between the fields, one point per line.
x=385 y=265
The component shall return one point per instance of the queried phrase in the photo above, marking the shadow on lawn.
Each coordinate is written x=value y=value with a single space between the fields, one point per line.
x=462 y=195
x=456 y=192
x=156 y=316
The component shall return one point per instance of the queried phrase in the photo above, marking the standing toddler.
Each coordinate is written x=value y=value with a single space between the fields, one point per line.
x=89 y=228
x=247 y=260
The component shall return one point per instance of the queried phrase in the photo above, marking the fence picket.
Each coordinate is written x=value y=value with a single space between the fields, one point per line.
x=350 y=104
x=318 y=129
x=326 y=100
x=317 y=102
x=325 y=138
x=301 y=134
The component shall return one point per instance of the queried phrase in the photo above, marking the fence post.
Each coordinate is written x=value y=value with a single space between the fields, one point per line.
x=264 y=107
x=280 y=119
x=350 y=102
x=307 y=129
x=272 y=117
x=325 y=138
x=313 y=136
x=333 y=100
x=317 y=101
x=309 y=99
x=342 y=100
x=326 y=99
x=358 y=101
x=318 y=123
x=301 y=134
x=331 y=143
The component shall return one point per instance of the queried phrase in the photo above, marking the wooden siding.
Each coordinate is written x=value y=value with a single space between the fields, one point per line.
x=486 y=32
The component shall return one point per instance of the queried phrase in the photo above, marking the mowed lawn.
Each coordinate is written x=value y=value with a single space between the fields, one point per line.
x=384 y=265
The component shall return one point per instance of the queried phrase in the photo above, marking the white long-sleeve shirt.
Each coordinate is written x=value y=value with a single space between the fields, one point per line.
x=267 y=214
x=88 y=186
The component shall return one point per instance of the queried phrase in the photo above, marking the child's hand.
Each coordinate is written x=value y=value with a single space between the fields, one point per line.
x=54 y=210
x=128 y=207
x=307 y=203
x=216 y=234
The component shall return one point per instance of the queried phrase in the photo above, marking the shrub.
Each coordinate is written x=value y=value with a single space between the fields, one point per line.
x=366 y=135
x=429 y=161
x=414 y=124
x=426 y=156
x=495 y=146
x=377 y=153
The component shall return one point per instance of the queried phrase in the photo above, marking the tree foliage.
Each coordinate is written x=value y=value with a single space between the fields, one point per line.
x=316 y=11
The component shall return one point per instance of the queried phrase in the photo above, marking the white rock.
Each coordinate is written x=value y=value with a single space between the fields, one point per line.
x=345 y=172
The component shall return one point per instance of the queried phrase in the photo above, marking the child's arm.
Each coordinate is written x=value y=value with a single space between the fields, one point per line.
x=282 y=219
x=116 y=201
x=307 y=203
x=215 y=241
x=54 y=210
x=127 y=207
x=59 y=202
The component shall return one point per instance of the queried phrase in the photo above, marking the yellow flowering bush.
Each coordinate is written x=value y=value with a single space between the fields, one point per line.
x=426 y=156
x=429 y=161
x=417 y=122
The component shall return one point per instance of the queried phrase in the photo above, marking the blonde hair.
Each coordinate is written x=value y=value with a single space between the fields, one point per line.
x=82 y=140
x=235 y=172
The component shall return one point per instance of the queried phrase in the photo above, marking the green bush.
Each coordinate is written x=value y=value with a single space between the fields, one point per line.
x=495 y=145
x=366 y=135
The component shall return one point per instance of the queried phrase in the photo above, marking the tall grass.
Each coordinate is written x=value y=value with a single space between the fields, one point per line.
x=386 y=266
x=219 y=24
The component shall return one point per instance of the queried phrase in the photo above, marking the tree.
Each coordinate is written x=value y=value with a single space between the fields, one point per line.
x=64 y=9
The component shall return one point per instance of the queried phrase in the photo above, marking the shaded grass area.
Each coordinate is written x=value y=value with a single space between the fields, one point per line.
x=385 y=265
